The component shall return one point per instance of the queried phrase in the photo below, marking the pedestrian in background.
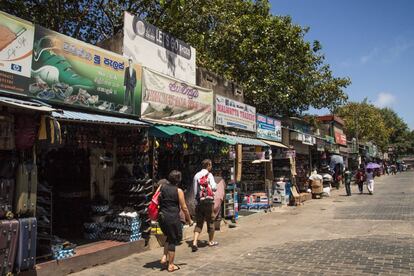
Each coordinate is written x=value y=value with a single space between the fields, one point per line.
x=171 y=199
x=360 y=177
x=370 y=181
x=348 y=178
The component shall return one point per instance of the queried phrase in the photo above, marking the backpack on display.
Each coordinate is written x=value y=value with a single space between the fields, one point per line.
x=26 y=189
x=6 y=132
x=25 y=131
x=204 y=190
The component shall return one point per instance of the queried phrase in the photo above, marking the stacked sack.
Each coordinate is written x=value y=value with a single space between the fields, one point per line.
x=124 y=227
x=99 y=212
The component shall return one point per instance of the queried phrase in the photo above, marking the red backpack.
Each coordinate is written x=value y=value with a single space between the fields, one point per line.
x=205 y=191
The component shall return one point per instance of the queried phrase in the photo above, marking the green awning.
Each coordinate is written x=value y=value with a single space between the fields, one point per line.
x=166 y=131
x=162 y=131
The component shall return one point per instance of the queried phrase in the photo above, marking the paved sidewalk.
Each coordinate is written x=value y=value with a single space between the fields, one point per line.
x=357 y=235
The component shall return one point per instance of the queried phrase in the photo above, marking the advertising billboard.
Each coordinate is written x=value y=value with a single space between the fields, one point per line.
x=167 y=99
x=148 y=45
x=269 y=128
x=340 y=138
x=235 y=114
x=71 y=72
x=16 y=45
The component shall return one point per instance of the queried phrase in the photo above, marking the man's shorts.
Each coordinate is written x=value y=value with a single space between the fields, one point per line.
x=204 y=213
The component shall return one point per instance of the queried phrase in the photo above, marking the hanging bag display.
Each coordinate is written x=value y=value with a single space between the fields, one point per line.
x=153 y=208
x=26 y=187
x=25 y=131
x=6 y=198
x=6 y=132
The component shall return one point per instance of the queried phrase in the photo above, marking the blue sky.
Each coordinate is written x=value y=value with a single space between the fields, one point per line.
x=371 y=41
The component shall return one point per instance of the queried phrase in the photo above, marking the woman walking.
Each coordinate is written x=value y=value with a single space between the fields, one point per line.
x=370 y=181
x=360 y=177
x=171 y=200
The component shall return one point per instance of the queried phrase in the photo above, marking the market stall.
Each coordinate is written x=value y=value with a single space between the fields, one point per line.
x=94 y=185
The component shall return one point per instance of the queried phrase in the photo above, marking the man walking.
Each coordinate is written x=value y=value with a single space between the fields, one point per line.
x=348 y=178
x=204 y=187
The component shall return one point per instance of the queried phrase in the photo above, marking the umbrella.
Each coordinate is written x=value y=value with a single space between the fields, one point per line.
x=372 y=166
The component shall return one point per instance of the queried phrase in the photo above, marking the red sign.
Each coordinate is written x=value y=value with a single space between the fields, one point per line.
x=340 y=138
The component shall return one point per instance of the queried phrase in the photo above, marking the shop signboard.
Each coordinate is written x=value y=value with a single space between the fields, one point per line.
x=307 y=139
x=148 y=45
x=16 y=46
x=340 y=138
x=281 y=153
x=320 y=145
x=71 y=72
x=235 y=114
x=269 y=128
x=167 y=99
x=330 y=139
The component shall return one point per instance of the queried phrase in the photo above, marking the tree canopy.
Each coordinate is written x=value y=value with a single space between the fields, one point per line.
x=365 y=122
x=268 y=55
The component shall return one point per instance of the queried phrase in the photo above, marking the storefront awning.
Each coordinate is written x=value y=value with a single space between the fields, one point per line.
x=76 y=116
x=275 y=144
x=245 y=140
x=166 y=131
x=30 y=105
x=163 y=131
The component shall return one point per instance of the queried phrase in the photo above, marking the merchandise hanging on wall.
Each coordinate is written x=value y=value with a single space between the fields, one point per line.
x=16 y=45
x=158 y=50
x=71 y=72
x=167 y=99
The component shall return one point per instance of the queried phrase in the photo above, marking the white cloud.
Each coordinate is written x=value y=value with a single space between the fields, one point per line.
x=372 y=54
x=385 y=99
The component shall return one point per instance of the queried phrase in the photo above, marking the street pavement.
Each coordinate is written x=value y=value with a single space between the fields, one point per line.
x=358 y=235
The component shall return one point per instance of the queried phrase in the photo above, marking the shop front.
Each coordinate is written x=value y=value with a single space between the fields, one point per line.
x=81 y=179
x=301 y=143
x=269 y=130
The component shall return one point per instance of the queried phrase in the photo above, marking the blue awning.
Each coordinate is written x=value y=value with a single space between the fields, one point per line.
x=76 y=116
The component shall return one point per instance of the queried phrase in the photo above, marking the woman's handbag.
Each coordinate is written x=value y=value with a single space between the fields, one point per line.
x=153 y=208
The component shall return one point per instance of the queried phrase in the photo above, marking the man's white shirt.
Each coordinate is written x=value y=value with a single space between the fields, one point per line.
x=199 y=175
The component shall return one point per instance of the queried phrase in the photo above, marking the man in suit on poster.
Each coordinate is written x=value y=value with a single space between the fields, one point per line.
x=130 y=82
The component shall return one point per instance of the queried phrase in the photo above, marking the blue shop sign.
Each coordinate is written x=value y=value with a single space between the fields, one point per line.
x=269 y=128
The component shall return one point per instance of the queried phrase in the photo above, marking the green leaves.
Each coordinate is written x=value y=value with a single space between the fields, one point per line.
x=240 y=40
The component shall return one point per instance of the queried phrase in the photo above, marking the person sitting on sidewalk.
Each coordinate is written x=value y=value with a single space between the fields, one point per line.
x=204 y=187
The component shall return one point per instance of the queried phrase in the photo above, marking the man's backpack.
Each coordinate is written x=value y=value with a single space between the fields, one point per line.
x=205 y=191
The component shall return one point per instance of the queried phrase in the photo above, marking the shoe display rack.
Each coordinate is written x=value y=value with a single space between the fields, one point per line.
x=230 y=201
x=253 y=177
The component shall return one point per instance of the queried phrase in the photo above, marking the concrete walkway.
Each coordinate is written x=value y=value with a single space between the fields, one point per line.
x=357 y=235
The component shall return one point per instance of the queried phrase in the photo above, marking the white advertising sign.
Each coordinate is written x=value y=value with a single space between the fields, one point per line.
x=157 y=50
x=16 y=47
x=235 y=114
x=167 y=99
